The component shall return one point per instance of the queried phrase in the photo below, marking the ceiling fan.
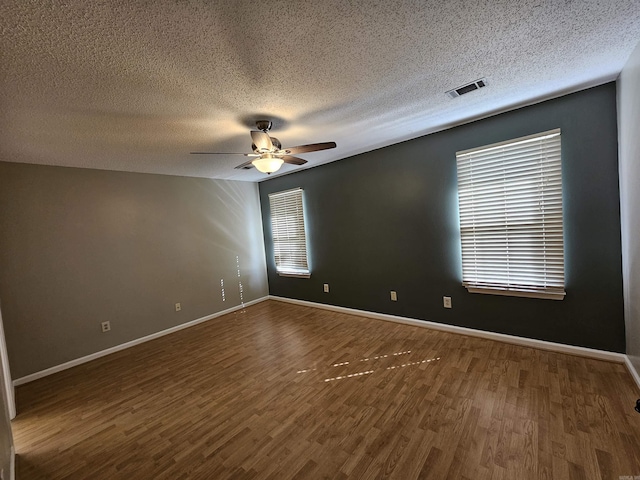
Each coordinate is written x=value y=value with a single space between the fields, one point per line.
x=269 y=152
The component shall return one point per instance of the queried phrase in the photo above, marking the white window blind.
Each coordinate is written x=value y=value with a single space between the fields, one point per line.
x=289 y=240
x=510 y=200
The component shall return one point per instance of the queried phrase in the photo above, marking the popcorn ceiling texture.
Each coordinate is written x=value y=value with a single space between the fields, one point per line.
x=137 y=85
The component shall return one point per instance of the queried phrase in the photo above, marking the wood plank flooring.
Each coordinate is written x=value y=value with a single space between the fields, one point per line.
x=279 y=391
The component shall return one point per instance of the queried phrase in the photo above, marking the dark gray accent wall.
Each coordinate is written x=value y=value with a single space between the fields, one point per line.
x=79 y=247
x=387 y=220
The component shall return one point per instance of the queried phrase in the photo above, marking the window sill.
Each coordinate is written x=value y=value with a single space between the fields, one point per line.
x=516 y=293
x=295 y=274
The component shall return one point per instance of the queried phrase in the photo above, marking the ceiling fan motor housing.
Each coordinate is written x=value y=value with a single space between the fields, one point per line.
x=274 y=141
x=264 y=125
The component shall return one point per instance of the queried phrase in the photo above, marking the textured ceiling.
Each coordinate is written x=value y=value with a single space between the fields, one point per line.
x=136 y=85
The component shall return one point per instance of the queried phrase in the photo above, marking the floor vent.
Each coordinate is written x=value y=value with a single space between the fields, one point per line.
x=470 y=87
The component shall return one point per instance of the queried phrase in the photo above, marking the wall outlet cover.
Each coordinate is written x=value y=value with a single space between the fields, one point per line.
x=446 y=301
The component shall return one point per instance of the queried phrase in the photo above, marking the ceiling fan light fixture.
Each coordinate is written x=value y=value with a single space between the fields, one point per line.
x=267 y=164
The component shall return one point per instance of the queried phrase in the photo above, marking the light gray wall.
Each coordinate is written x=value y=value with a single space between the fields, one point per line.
x=629 y=145
x=79 y=247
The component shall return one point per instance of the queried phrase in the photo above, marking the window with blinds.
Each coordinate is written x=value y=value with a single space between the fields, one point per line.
x=289 y=240
x=510 y=200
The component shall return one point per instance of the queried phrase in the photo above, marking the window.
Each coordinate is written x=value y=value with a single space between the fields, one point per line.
x=289 y=240
x=510 y=200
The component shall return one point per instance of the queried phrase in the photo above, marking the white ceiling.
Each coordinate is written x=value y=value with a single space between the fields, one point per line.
x=136 y=85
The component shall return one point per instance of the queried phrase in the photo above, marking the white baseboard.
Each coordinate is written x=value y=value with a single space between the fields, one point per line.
x=501 y=337
x=117 y=348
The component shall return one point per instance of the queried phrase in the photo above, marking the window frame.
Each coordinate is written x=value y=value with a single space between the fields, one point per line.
x=519 y=189
x=288 y=229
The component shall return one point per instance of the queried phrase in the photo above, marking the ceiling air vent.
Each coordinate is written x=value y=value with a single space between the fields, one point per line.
x=469 y=87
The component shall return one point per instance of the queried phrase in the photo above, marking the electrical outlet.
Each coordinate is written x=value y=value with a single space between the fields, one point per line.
x=178 y=307
x=394 y=296
x=446 y=301
x=326 y=288
x=106 y=326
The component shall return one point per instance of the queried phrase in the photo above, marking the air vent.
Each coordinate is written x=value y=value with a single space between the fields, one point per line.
x=470 y=87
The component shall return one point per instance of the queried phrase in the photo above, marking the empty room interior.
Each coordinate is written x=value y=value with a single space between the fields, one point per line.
x=331 y=240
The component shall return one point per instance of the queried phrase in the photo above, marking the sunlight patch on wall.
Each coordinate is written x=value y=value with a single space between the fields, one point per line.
x=240 y=288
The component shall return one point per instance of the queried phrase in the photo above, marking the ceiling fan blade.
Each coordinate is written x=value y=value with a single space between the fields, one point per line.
x=220 y=153
x=245 y=165
x=292 y=160
x=314 y=147
x=262 y=141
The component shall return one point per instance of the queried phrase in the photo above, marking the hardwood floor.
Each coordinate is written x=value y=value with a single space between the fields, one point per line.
x=279 y=391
